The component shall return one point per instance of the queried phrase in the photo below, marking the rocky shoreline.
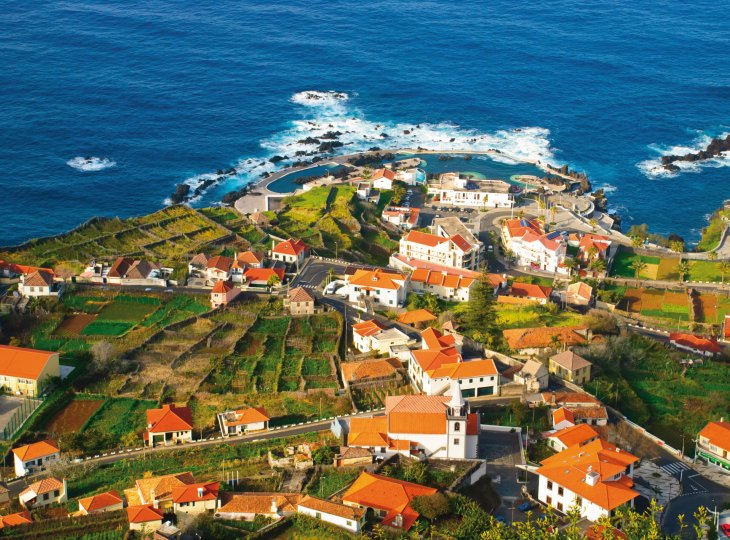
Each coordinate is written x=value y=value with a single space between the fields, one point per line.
x=715 y=148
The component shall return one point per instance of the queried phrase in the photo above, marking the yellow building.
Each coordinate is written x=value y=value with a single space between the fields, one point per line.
x=27 y=370
x=570 y=367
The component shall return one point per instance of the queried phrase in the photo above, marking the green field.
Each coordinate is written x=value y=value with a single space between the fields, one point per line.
x=517 y=316
x=120 y=416
x=107 y=328
x=621 y=266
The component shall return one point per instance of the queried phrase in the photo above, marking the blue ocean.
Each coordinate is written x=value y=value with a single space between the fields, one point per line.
x=158 y=93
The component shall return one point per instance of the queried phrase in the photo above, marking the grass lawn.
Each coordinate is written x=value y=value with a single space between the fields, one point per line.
x=125 y=310
x=515 y=316
x=704 y=271
x=121 y=415
x=622 y=265
x=107 y=328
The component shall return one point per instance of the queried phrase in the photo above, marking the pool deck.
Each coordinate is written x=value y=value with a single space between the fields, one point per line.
x=257 y=199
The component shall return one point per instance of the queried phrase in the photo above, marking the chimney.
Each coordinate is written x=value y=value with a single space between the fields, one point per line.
x=592 y=477
x=200 y=493
x=274 y=506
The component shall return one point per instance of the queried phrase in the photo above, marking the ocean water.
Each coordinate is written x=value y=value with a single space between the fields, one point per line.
x=159 y=93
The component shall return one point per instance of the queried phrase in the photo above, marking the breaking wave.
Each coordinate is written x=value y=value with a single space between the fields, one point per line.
x=652 y=168
x=331 y=117
x=90 y=164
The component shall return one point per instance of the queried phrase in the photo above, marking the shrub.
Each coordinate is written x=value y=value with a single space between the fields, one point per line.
x=432 y=507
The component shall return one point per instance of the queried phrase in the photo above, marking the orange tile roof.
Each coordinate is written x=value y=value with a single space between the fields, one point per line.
x=589 y=412
x=263 y=274
x=465 y=370
x=530 y=290
x=369 y=369
x=43 y=486
x=38 y=279
x=332 y=508
x=388 y=494
x=580 y=289
x=162 y=485
x=377 y=279
x=169 y=418
x=528 y=338
x=383 y=173
x=600 y=242
x=202 y=491
x=119 y=267
x=416 y=316
x=368 y=431
x=100 y=501
x=36 y=450
x=417 y=264
x=367 y=328
x=250 y=415
x=220 y=262
x=143 y=513
x=23 y=363
x=257 y=503
x=517 y=228
x=425 y=239
x=562 y=414
x=570 y=467
x=433 y=339
x=13 y=520
x=459 y=242
x=300 y=294
x=568 y=398
x=573 y=435
x=290 y=247
x=718 y=433
x=442 y=278
x=222 y=287
x=695 y=342
x=430 y=359
x=250 y=257
x=417 y=414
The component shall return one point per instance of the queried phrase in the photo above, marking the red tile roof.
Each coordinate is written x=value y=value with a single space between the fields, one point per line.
x=416 y=414
x=290 y=247
x=23 y=363
x=388 y=494
x=143 y=513
x=367 y=328
x=220 y=263
x=39 y=278
x=377 y=279
x=202 y=491
x=416 y=316
x=465 y=370
x=222 y=287
x=383 y=173
x=433 y=339
x=529 y=290
x=169 y=418
x=100 y=501
x=263 y=274
x=718 y=433
x=250 y=415
x=36 y=450
x=43 y=486
x=573 y=435
x=332 y=508
x=13 y=520
x=300 y=294
x=430 y=359
x=695 y=342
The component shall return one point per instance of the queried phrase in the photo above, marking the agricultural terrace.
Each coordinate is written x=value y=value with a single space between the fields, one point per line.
x=373 y=397
x=233 y=221
x=167 y=235
x=667 y=306
x=712 y=308
x=645 y=381
x=329 y=216
x=126 y=320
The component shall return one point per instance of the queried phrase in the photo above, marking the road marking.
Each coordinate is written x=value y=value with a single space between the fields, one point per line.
x=675 y=468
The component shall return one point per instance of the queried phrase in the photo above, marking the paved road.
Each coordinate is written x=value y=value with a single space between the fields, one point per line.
x=16 y=486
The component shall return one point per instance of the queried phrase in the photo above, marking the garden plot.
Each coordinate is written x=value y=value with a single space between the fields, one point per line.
x=713 y=308
x=74 y=325
x=73 y=416
x=154 y=361
x=373 y=397
x=657 y=304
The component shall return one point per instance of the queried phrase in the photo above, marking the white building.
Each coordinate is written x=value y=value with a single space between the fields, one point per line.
x=596 y=477
x=350 y=518
x=34 y=457
x=243 y=421
x=199 y=498
x=39 y=283
x=371 y=336
x=534 y=375
x=290 y=251
x=456 y=190
x=401 y=216
x=384 y=287
x=565 y=438
x=533 y=248
x=454 y=251
x=43 y=493
x=432 y=426
x=474 y=378
x=383 y=179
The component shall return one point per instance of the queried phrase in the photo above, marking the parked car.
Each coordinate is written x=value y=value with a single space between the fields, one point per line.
x=409 y=191
x=500 y=518
x=525 y=507
x=725 y=528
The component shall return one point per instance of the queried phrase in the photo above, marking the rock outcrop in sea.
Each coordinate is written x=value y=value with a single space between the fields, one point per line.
x=715 y=148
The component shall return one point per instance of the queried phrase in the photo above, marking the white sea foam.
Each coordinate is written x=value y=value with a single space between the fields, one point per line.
x=652 y=168
x=607 y=188
x=327 y=112
x=90 y=164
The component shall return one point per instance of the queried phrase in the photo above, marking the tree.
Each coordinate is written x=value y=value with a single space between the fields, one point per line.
x=416 y=471
x=430 y=302
x=638 y=266
x=601 y=322
x=431 y=507
x=480 y=317
x=682 y=270
x=570 y=264
x=273 y=281
x=597 y=265
x=330 y=275
x=724 y=268
x=677 y=246
x=103 y=354
x=398 y=193
x=637 y=241
x=323 y=456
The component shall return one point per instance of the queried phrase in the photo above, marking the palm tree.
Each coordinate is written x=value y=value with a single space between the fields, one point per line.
x=724 y=268
x=597 y=265
x=570 y=264
x=637 y=241
x=330 y=275
x=683 y=270
x=273 y=281
x=638 y=266
x=677 y=246
x=593 y=222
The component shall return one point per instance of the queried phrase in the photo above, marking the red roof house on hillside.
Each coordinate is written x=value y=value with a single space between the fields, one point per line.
x=169 y=425
x=223 y=293
x=695 y=344
x=109 y=501
x=290 y=251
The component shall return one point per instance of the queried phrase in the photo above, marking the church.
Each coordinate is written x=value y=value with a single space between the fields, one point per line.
x=428 y=426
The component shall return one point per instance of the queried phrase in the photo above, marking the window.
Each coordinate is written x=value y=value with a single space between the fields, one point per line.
x=560 y=491
x=349 y=523
x=45 y=496
x=457 y=426
x=456 y=442
x=578 y=501
x=560 y=506
x=549 y=500
x=318 y=515
x=550 y=485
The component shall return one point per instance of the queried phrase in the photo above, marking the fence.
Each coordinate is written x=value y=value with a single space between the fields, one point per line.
x=19 y=416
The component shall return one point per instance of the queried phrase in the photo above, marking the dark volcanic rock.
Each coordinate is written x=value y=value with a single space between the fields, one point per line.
x=714 y=149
